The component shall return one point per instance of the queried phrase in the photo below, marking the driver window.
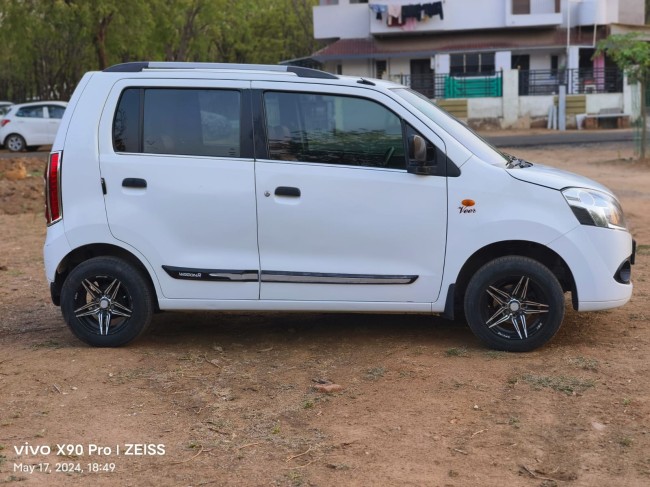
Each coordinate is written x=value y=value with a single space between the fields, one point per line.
x=332 y=129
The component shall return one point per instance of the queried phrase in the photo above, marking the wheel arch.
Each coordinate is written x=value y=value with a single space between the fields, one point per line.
x=542 y=254
x=85 y=252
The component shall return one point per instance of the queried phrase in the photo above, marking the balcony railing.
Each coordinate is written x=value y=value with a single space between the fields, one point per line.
x=450 y=86
x=577 y=81
x=531 y=82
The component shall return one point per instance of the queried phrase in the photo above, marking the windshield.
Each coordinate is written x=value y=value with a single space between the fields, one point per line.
x=458 y=130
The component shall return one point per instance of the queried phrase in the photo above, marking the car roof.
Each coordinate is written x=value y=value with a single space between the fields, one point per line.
x=37 y=103
x=252 y=72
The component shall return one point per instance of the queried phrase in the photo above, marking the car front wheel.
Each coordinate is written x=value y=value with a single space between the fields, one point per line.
x=106 y=302
x=514 y=304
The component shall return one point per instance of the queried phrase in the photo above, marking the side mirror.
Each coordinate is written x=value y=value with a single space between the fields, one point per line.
x=422 y=156
x=418 y=149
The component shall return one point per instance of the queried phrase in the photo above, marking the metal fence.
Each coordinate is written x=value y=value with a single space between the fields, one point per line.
x=449 y=86
x=531 y=82
x=577 y=81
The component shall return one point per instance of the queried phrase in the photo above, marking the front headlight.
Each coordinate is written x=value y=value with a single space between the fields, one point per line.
x=595 y=208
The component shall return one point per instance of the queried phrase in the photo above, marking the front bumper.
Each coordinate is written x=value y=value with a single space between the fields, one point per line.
x=596 y=257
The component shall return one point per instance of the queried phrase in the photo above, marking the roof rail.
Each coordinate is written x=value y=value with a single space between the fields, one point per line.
x=136 y=67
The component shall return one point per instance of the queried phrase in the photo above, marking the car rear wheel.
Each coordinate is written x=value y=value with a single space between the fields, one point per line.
x=15 y=143
x=514 y=304
x=106 y=302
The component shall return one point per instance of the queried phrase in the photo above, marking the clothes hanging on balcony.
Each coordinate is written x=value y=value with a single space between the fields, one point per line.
x=433 y=9
x=378 y=9
x=407 y=16
x=395 y=14
x=413 y=12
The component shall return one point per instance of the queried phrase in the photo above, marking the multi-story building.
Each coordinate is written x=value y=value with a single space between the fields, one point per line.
x=460 y=48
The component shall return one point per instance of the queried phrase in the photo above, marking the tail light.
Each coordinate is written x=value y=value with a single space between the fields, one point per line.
x=4 y=122
x=53 y=208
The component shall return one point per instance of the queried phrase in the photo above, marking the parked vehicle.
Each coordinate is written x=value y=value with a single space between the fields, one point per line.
x=241 y=187
x=30 y=125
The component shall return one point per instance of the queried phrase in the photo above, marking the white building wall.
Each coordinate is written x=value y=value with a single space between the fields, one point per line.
x=345 y=21
x=540 y=60
x=535 y=106
x=478 y=108
x=348 y=21
x=596 y=102
x=399 y=66
x=357 y=67
x=502 y=60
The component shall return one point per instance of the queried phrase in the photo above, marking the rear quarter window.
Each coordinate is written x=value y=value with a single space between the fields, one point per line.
x=201 y=122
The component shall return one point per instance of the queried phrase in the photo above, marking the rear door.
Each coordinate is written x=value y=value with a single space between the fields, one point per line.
x=178 y=169
x=340 y=218
x=32 y=124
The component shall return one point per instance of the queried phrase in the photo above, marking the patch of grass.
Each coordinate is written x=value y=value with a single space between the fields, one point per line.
x=626 y=401
x=567 y=385
x=375 y=373
x=456 y=352
x=585 y=363
x=514 y=422
x=625 y=441
x=46 y=344
x=276 y=429
x=643 y=249
x=13 y=478
x=295 y=478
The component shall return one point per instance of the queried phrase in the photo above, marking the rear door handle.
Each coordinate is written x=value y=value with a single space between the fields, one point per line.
x=134 y=183
x=287 y=191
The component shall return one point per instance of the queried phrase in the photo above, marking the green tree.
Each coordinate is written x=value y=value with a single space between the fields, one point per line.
x=47 y=45
x=632 y=55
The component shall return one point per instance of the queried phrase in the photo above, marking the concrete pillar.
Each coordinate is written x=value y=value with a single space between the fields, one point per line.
x=441 y=66
x=510 y=98
x=442 y=63
x=574 y=57
x=632 y=99
x=502 y=60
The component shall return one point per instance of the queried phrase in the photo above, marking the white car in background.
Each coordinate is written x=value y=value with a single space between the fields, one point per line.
x=29 y=125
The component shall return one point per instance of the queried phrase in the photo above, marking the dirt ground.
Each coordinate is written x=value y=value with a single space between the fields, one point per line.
x=228 y=399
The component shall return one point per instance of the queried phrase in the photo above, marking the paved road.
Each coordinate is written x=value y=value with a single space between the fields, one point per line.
x=556 y=138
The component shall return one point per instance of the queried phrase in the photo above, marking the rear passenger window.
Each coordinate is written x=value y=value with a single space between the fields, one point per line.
x=191 y=122
x=31 y=112
x=334 y=130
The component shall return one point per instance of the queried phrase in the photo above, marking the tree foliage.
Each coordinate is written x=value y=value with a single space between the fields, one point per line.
x=629 y=52
x=632 y=55
x=47 y=45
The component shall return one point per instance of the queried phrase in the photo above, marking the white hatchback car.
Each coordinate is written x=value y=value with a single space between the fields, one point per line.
x=237 y=187
x=30 y=125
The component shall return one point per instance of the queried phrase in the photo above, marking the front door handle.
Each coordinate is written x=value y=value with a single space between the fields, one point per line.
x=134 y=183
x=287 y=191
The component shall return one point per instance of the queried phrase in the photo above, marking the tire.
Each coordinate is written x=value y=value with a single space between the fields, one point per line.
x=15 y=143
x=106 y=302
x=514 y=304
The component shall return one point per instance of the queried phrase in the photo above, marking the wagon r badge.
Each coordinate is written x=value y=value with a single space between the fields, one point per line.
x=467 y=206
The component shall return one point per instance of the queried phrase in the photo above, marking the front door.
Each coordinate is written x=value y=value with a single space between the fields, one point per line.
x=340 y=219
x=180 y=187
